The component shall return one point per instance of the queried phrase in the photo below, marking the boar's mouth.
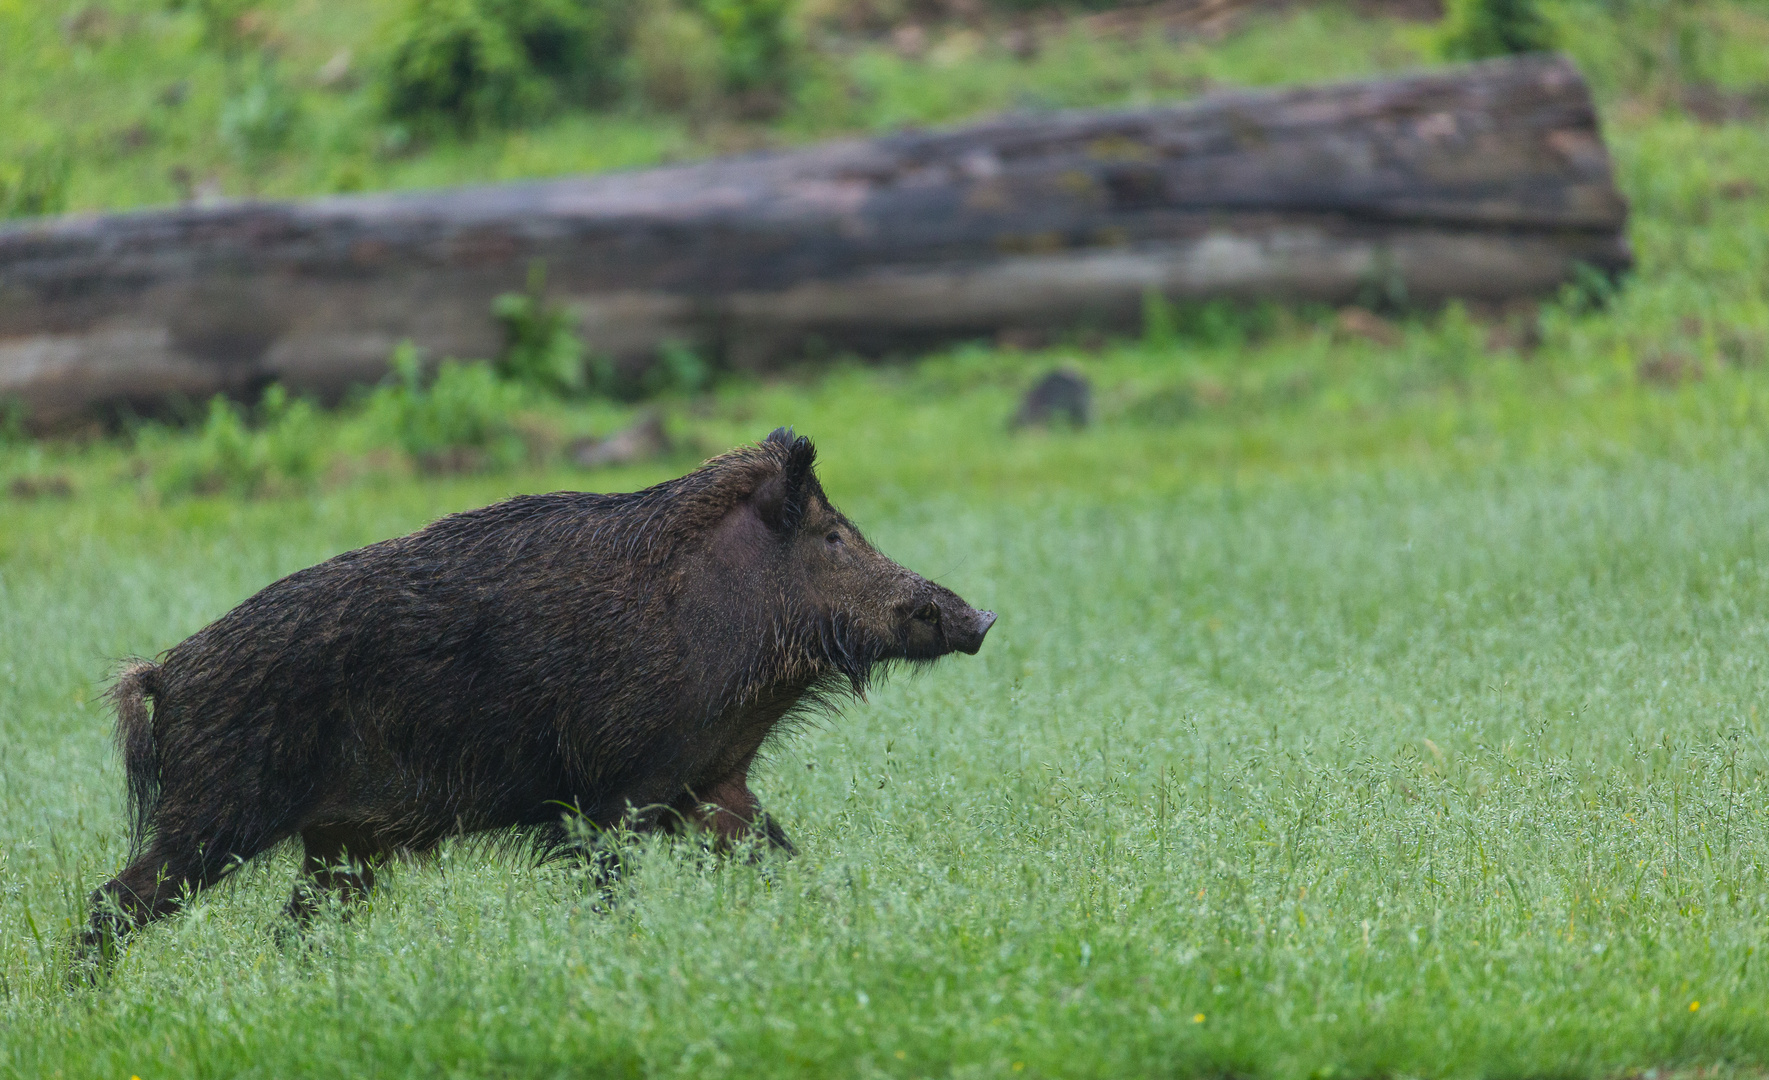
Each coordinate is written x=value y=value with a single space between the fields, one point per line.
x=927 y=631
x=942 y=625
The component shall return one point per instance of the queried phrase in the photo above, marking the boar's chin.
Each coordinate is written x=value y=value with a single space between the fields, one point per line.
x=922 y=643
x=850 y=650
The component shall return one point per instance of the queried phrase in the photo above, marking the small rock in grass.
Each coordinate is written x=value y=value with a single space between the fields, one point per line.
x=645 y=438
x=336 y=73
x=1061 y=395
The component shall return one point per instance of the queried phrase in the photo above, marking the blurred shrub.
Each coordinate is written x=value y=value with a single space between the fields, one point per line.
x=12 y=420
x=541 y=348
x=465 y=63
x=280 y=451
x=1211 y=323
x=744 y=56
x=1383 y=288
x=677 y=369
x=451 y=62
x=1589 y=290
x=288 y=430
x=228 y=26
x=759 y=50
x=675 y=58
x=257 y=120
x=1475 y=29
x=463 y=420
x=1164 y=406
x=1160 y=325
x=35 y=183
x=1454 y=345
x=1658 y=48
x=576 y=45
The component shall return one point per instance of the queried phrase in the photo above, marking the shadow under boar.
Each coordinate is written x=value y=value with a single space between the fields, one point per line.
x=623 y=655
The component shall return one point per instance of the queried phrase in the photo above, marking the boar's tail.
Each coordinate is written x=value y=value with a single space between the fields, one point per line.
x=138 y=681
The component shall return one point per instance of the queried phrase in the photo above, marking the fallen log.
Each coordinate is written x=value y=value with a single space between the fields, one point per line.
x=1486 y=181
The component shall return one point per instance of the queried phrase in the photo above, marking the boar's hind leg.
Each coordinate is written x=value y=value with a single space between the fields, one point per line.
x=153 y=886
x=339 y=860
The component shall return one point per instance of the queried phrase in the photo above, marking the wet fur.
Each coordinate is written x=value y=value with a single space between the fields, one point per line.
x=609 y=653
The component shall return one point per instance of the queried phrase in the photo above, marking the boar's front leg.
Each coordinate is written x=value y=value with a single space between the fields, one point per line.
x=729 y=810
x=339 y=860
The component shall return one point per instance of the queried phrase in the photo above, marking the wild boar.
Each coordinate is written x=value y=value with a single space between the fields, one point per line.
x=624 y=656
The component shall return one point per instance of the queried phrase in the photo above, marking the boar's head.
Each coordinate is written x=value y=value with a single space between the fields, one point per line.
x=863 y=608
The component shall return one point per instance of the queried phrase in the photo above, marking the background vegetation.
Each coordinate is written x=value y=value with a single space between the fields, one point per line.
x=119 y=103
x=1371 y=697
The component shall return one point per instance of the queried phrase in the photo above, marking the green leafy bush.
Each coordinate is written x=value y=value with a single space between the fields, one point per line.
x=1165 y=405
x=257 y=120
x=541 y=347
x=35 y=183
x=1475 y=29
x=760 y=51
x=1589 y=290
x=1211 y=323
x=226 y=27
x=574 y=44
x=281 y=451
x=469 y=63
x=1453 y=346
x=463 y=420
x=12 y=420
x=288 y=429
x=1160 y=323
x=543 y=354
x=675 y=58
x=678 y=368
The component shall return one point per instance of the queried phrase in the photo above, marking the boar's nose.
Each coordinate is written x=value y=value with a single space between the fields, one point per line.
x=971 y=639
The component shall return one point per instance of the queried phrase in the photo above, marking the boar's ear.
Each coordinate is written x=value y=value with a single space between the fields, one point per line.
x=781 y=499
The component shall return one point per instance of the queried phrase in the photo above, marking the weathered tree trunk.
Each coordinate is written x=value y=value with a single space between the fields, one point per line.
x=1486 y=181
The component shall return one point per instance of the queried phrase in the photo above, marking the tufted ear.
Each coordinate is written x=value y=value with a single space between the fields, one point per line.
x=781 y=500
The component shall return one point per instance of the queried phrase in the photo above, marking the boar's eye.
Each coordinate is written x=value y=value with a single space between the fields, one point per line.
x=833 y=539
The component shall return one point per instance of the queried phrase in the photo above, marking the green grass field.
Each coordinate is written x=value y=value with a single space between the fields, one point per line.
x=1442 y=762
x=1411 y=724
x=1355 y=710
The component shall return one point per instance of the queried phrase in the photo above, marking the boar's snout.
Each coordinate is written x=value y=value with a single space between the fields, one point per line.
x=941 y=623
x=970 y=639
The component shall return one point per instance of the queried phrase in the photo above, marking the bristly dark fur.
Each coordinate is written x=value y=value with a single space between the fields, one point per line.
x=136 y=682
x=602 y=652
